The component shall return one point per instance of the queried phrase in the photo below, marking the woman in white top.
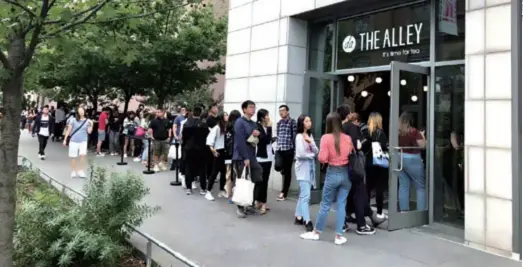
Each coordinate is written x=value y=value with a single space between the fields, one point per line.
x=216 y=142
x=130 y=125
x=264 y=155
x=306 y=151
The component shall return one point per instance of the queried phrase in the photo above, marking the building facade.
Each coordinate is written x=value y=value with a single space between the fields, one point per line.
x=451 y=64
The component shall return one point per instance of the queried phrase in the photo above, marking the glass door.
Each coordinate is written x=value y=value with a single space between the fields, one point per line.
x=408 y=179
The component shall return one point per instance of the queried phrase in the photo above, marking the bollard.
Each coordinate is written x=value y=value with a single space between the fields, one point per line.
x=122 y=163
x=177 y=182
x=148 y=171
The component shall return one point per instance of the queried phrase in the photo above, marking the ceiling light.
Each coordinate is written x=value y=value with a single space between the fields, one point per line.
x=364 y=93
x=414 y=98
x=378 y=80
x=403 y=82
x=425 y=88
x=388 y=93
x=350 y=78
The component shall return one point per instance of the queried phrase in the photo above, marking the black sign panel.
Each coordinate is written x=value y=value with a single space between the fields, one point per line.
x=401 y=34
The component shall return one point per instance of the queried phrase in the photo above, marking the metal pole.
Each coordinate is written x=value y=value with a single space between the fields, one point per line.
x=177 y=182
x=149 y=261
x=148 y=171
x=122 y=163
x=516 y=16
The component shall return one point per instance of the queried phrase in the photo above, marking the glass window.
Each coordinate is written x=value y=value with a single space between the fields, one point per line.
x=401 y=34
x=321 y=40
x=319 y=104
x=448 y=144
x=450 y=30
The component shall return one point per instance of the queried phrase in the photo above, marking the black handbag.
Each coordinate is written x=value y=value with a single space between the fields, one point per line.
x=278 y=162
x=357 y=166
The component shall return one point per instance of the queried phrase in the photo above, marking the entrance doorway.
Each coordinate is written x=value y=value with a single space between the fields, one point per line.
x=400 y=95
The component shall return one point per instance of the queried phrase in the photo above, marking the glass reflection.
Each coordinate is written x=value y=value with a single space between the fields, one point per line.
x=448 y=146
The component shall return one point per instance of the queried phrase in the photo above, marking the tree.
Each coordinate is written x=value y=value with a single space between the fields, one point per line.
x=24 y=24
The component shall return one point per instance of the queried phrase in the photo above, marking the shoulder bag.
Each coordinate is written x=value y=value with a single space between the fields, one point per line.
x=75 y=131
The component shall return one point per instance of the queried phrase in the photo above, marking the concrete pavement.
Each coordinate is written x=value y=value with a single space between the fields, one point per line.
x=210 y=234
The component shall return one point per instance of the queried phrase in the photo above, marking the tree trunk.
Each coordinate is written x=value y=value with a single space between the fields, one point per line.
x=161 y=102
x=127 y=99
x=9 y=138
x=94 y=101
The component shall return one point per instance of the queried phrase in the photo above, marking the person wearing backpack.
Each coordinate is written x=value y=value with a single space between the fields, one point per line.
x=229 y=151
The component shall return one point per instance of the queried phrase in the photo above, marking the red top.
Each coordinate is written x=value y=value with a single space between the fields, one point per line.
x=101 y=121
x=328 y=152
x=409 y=140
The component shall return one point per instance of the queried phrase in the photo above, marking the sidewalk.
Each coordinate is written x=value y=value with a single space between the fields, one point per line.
x=210 y=234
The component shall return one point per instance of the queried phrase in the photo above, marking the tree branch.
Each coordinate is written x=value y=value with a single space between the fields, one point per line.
x=140 y=15
x=15 y=3
x=4 y=61
x=92 y=11
x=35 y=37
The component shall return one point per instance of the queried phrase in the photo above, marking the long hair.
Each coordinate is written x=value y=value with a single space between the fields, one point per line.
x=221 y=122
x=405 y=123
x=260 y=116
x=77 y=113
x=300 y=127
x=374 y=122
x=333 y=126
x=233 y=116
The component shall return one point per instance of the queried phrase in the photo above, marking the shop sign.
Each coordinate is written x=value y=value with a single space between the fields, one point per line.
x=394 y=41
x=448 y=20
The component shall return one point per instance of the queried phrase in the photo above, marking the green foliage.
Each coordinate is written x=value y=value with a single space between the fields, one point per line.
x=51 y=233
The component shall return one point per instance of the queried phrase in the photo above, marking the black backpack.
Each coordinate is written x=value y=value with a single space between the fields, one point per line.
x=229 y=143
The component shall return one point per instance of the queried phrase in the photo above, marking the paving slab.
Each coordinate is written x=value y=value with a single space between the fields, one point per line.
x=210 y=234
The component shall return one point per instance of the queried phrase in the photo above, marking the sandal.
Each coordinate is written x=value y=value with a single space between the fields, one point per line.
x=263 y=210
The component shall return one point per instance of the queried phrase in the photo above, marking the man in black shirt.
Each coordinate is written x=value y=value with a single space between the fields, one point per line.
x=194 y=136
x=212 y=115
x=160 y=131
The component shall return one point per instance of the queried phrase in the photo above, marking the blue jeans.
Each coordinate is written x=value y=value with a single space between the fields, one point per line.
x=145 y=153
x=302 y=208
x=413 y=171
x=337 y=186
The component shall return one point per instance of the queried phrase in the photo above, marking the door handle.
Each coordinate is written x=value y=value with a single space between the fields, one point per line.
x=401 y=158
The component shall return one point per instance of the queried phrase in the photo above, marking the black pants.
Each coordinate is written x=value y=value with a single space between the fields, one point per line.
x=261 y=188
x=195 y=167
x=42 y=143
x=206 y=163
x=358 y=203
x=377 y=179
x=58 y=130
x=287 y=160
x=217 y=167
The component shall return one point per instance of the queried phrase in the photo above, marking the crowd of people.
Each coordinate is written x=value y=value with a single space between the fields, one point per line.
x=242 y=144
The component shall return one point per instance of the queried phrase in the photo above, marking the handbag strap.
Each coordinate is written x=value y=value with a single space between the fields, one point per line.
x=78 y=129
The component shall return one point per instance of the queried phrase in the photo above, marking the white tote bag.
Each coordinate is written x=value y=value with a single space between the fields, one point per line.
x=243 y=190
x=379 y=158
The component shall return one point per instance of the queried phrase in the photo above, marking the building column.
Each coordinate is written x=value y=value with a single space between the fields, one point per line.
x=488 y=117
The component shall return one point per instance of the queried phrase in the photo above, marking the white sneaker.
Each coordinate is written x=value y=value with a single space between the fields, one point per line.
x=73 y=174
x=209 y=196
x=194 y=185
x=100 y=154
x=81 y=174
x=340 y=240
x=183 y=183
x=163 y=167
x=382 y=216
x=156 y=168
x=222 y=194
x=125 y=156
x=310 y=236
x=137 y=159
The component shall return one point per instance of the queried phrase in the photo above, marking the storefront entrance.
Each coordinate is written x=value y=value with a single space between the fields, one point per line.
x=403 y=59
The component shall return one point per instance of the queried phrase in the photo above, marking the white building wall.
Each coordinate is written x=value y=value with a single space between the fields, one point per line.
x=488 y=182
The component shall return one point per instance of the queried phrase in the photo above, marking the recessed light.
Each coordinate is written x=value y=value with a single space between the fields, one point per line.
x=414 y=98
x=350 y=78
x=378 y=80
x=403 y=82
x=364 y=93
